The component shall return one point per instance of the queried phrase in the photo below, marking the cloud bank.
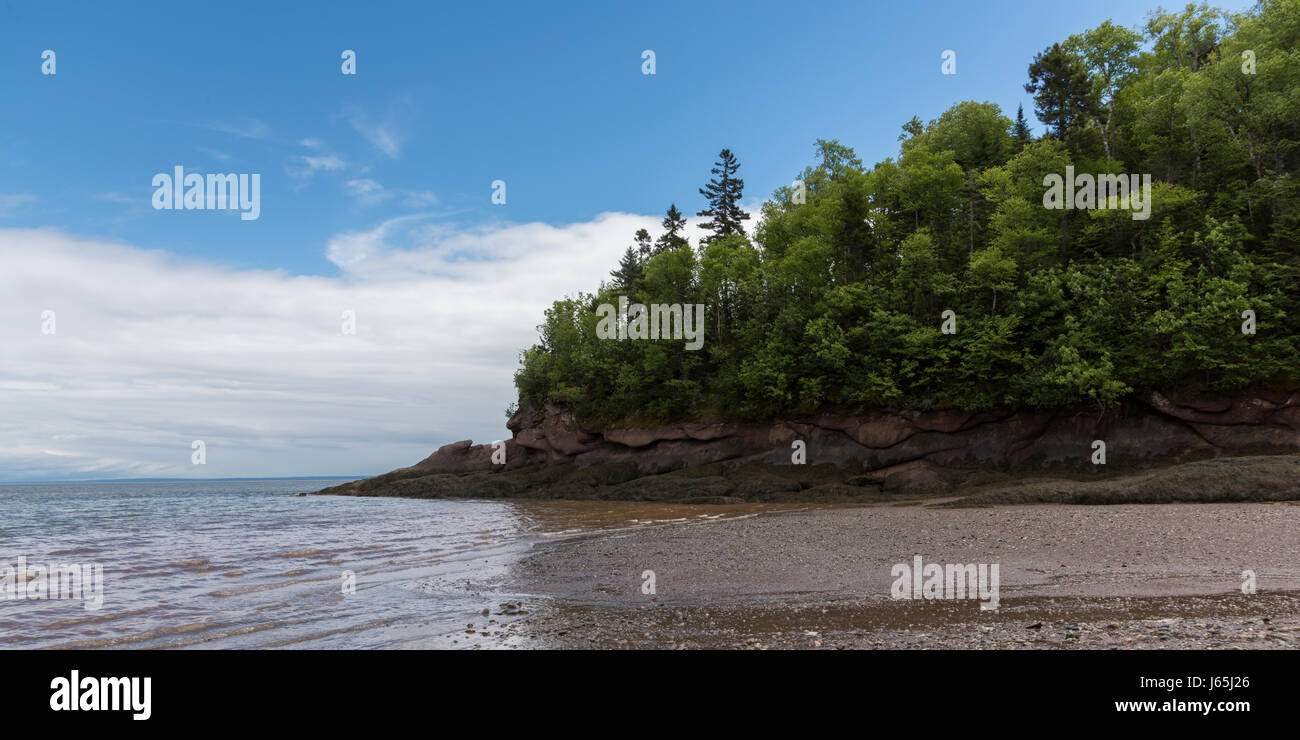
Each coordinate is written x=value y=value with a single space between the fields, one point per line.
x=150 y=352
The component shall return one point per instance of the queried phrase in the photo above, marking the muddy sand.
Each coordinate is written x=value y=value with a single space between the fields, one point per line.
x=1122 y=576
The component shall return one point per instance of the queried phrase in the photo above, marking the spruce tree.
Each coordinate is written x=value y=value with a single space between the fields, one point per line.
x=723 y=194
x=1020 y=130
x=629 y=272
x=674 y=228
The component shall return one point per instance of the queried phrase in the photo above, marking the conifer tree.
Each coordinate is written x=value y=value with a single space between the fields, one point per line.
x=674 y=230
x=642 y=239
x=1062 y=93
x=629 y=272
x=723 y=194
x=1020 y=131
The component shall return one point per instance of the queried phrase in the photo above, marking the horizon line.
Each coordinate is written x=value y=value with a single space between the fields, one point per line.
x=180 y=480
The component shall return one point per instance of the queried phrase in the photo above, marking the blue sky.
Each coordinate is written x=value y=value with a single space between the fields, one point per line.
x=376 y=197
x=451 y=96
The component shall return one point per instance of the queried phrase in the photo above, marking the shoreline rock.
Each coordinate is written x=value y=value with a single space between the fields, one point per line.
x=882 y=454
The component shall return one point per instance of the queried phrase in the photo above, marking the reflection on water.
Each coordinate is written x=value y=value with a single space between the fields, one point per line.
x=241 y=564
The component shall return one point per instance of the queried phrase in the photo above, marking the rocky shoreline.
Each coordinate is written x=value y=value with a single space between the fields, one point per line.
x=1157 y=448
x=1271 y=622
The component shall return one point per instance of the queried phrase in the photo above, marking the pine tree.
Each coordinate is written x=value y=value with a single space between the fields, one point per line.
x=723 y=194
x=1020 y=130
x=1062 y=93
x=674 y=227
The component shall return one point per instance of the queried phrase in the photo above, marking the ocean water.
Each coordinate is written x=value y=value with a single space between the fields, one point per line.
x=249 y=564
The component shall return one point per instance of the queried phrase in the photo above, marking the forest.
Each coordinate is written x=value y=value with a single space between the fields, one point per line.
x=833 y=296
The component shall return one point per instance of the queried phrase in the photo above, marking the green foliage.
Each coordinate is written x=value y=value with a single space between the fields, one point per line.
x=1062 y=92
x=836 y=300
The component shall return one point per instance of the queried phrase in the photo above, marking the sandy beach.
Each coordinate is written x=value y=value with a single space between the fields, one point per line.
x=1122 y=576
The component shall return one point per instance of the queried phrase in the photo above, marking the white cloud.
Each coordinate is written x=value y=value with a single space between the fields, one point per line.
x=326 y=162
x=383 y=132
x=10 y=204
x=364 y=187
x=311 y=164
x=216 y=154
x=152 y=352
x=245 y=128
x=382 y=136
x=418 y=198
x=369 y=192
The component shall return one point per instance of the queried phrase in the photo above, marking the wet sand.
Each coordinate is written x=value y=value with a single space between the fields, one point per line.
x=1124 y=576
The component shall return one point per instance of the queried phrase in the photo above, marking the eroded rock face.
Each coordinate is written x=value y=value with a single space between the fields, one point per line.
x=892 y=451
x=1139 y=434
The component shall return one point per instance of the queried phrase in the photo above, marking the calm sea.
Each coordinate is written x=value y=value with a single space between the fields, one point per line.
x=250 y=564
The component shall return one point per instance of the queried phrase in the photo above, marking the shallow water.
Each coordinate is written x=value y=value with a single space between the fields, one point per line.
x=248 y=564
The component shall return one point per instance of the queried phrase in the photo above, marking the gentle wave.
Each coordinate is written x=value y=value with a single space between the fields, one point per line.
x=246 y=564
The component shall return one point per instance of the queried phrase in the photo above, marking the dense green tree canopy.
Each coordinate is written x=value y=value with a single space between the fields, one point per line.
x=838 y=297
